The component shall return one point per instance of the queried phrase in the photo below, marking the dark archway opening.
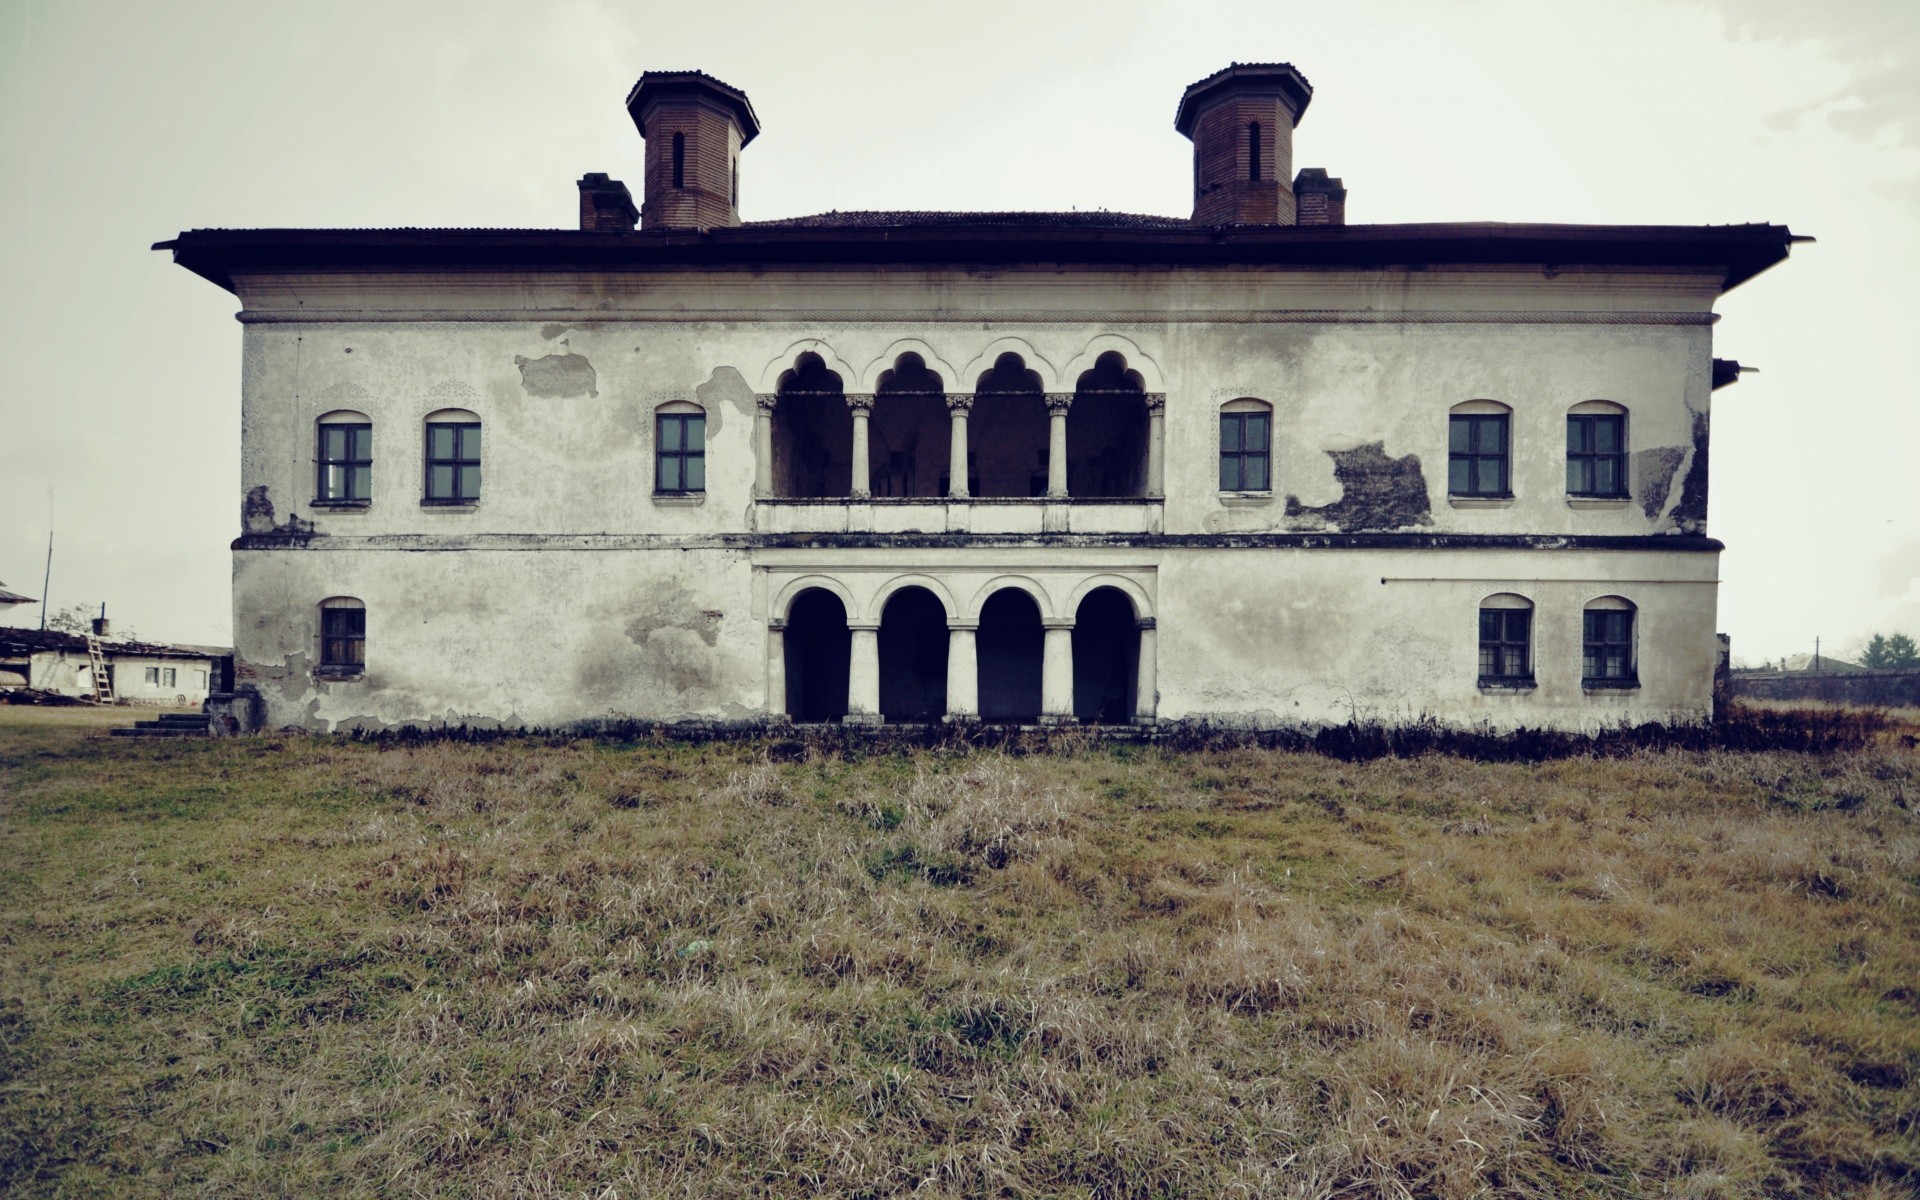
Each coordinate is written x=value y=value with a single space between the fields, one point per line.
x=1107 y=431
x=913 y=657
x=1007 y=431
x=910 y=435
x=812 y=433
x=1010 y=645
x=1106 y=656
x=819 y=650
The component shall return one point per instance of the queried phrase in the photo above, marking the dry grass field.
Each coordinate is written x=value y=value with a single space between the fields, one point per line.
x=546 y=967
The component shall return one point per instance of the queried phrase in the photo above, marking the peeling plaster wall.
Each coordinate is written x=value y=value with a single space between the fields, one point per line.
x=504 y=638
x=565 y=373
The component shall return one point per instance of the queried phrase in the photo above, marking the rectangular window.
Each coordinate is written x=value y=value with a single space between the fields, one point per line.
x=153 y=676
x=453 y=462
x=1596 y=454
x=1608 y=636
x=680 y=463
x=343 y=637
x=1244 y=449
x=168 y=675
x=1505 y=637
x=1477 y=454
x=346 y=464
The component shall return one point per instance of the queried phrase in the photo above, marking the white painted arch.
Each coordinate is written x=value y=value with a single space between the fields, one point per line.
x=1142 y=603
x=1151 y=377
x=1021 y=583
x=950 y=379
x=878 y=608
x=783 y=362
x=983 y=362
x=783 y=604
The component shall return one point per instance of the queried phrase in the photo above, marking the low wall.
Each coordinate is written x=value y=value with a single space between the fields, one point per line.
x=1889 y=689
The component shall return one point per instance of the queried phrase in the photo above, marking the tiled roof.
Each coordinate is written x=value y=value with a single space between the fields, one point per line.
x=27 y=641
x=1095 y=219
x=7 y=597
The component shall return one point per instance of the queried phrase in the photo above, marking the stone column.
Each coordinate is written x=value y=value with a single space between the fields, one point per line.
x=763 y=444
x=958 y=407
x=963 y=671
x=1057 y=405
x=861 y=407
x=1156 y=445
x=863 y=676
x=777 y=672
x=1146 y=696
x=1056 y=674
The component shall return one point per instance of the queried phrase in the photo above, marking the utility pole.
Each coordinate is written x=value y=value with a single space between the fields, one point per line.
x=1816 y=654
x=46 y=580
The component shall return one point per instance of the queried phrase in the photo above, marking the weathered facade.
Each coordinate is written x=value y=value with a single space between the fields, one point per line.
x=904 y=466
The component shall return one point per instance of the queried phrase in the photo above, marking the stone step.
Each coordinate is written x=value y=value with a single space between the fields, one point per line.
x=196 y=720
x=155 y=729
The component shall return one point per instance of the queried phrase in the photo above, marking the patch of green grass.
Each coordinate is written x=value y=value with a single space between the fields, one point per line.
x=568 y=967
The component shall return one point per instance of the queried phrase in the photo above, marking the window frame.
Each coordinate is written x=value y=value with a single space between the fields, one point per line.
x=354 y=467
x=681 y=415
x=1589 y=457
x=1505 y=641
x=1623 y=617
x=343 y=638
x=1473 y=420
x=1239 y=414
x=457 y=464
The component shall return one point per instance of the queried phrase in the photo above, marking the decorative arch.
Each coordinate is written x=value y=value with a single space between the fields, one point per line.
x=1142 y=605
x=1024 y=583
x=783 y=603
x=878 y=606
x=1138 y=361
x=1600 y=407
x=888 y=359
x=1481 y=407
x=451 y=414
x=783 y=362
x=343 y=416
x=1050 y=376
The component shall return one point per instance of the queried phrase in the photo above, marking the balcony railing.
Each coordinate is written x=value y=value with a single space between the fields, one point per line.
x=1041 y=514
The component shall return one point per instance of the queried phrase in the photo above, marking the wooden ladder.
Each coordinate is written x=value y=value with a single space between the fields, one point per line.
x=102 y=690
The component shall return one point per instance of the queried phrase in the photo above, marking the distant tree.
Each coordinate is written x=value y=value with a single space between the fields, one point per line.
x=78 y=619
x=1886 y=652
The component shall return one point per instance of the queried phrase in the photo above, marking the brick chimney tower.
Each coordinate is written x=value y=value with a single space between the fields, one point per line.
x=695 y=127
x=1241 y=121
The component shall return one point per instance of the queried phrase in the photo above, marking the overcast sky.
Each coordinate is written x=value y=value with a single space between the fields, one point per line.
x=122 y=124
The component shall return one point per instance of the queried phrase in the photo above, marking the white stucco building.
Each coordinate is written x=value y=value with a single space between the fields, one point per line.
x=1255 y=467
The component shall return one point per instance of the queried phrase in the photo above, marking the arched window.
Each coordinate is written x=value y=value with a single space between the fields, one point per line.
x=680 y=449
x=1607 y=660
x=1597 y=449
x=343 y=635
x=734 y=194
x=1479 y=450
x=1246 y=446
x=344 y=458
x=1253 y=152
x=1506 y=641
x=453 y=457
x=679 y=160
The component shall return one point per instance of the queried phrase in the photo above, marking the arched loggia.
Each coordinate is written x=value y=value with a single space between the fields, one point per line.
x=908 y=442
x=1010 y=647
x=812 y=432
x=1009 y=431
x=818 y=649
x=913 y=657
x=1106 y=658
x=1107 y=431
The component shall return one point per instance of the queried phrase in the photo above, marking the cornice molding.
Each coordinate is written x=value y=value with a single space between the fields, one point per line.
x=537 y=542
x=827 y=316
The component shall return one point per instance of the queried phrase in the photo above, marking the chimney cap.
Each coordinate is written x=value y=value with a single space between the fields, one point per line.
x=1282 y=78
x=655 y=86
